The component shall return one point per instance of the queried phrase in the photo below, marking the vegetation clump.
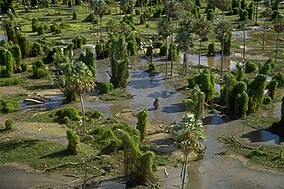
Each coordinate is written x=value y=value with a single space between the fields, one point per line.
x=73 y=142
x=142 y=123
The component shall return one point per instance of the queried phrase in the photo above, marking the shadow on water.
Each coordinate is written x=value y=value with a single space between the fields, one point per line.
x=262 y=136
x=216 y=119
x=173 y=108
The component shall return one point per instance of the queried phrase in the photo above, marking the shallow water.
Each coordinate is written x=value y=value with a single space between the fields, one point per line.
x=52 y=101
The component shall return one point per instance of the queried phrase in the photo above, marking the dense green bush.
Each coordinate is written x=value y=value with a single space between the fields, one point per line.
x=39 y=70
x=173 y=53
x=73 y=142
x=91 y=18
x=11 y=81
x=9 y=124
x=149 y=51
x=250 y=67
x=256 y=93
x=35 y=24
x=157 y=13
x=142 y=123
x=266 y=69
x=100 y=50
x=24 y=67
x=132 y=47
x=8 y=106
x=163 y=50
x=210 y=15
x=71 y=113
x=36 y=49
x=105 y=87
x=137 y=12
x=279 y=77
x=25 y=45
x=272 y=85
x=74 y=16
x=78 y=41
x=211 y=49
x=243 y=15
x=41 y=30
x=93 y=115
x=17 y=55
x=266 y=100
x=241 y=104
x=250 y=10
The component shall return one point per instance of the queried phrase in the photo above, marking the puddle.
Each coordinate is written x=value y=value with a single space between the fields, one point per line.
x=50 y=101
x=209 y=61
x=262 y=136
x=215 y=120
x=111 y=185
x=14 y=178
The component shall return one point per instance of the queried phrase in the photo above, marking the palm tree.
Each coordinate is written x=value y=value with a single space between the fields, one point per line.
x=256 y=10
x=100 y=8
x=202 y=28
x=223 y=5
x=188 y=133
x=279 y=28
x=79 y=79
x=267 y=4
x=164 y=29
x=184 y=39
x=223 y=32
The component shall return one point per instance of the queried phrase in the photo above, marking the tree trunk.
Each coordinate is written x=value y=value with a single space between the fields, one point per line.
x=83 y=112
x=185 y=62
x=172 y=54
x=264 y=29
x=244 y=49
x=97 y=24
x=131 y=10
x=256 y=12
x=222 y=55
x=167 y=56
x=277 y=41
x=199 y=55
x=184 y=171
x=101 y=32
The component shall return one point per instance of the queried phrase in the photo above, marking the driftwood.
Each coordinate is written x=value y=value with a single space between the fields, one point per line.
x=33 y=101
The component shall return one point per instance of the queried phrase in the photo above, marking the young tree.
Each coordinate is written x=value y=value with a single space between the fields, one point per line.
x=187 y=134
x=100 y=8
x=279 y=28
x=75 y=81
x=223 y=32
x=202 y=28
x=195 y=103
x=142 y=123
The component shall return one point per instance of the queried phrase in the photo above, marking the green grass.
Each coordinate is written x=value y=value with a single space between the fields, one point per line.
x=11 y=81
x=259 y=122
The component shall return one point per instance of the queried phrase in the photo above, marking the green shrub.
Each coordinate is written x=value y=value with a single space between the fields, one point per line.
x=70 y=113
x=243 y=15
x=142 y=19
x=152 y=67
x=11 y=81
x=73 y=142
x=267 y=100
x=279 y=77
x=53 y=26
x=272 y=85
x=104 y=88
x=163 y=50
x=36 y=49
x=137 y=12
x=74 y=16
x=24 y=67
x=8 y=106
x=39 y=70
x=210 y=15
x=132 y=47
x=41 y=30
x=9 y=124
x=157 y=14
x=91 y=18
x=250 y=67
x=149 y=51
x=266 y=68
x=174 y=55
x=211 y=49
x=35 y=24
x=100 y=50
x=94 y=114
x=142 y=123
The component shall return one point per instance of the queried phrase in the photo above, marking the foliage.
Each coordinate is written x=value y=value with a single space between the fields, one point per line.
x=272 y=85
x=9 y=124
x=79 y=41
x=75 y=80
x=9 y=106
x=17 y=55
x=91 y=18
x=35 y=24
x=266 y=69
x=279 y=77
x=11 y=81
x=226 y=90
x=256 y=93
x=224 y=33
x=266 y=100
x=173 y=53
x=119 y=60
x=138 y=166
x=250 y=67
x=25 y=45
x=89 y=60
x=105 y=87
x=241 y=104
x=70 y=113
x=163 y=50
x=36 y=49
x=39 y=70
x=243 y=15
x=101 y=50
x=211 y=49
x=142 y=123
x=206 y=83
x=73 y=142
x=195 y=103
x=74 y=16
x=132 y=47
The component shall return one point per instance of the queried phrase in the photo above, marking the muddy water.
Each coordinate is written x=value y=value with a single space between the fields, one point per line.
x=14 y=178
x=209 y=61
x=222 y=172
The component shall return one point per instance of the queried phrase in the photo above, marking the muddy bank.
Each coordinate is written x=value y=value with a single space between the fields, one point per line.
x=14 y=178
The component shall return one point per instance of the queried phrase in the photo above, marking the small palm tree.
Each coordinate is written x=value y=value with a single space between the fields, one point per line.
x=202 y=29
x=223 y=32
x=164 y=29
x=100 y=8
x=279 y=28
x=185 y=41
